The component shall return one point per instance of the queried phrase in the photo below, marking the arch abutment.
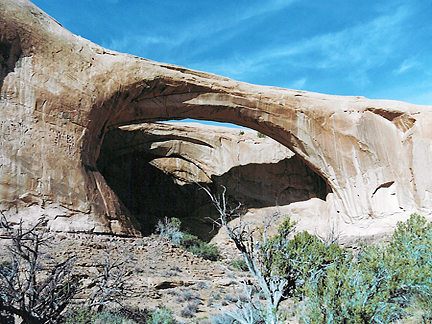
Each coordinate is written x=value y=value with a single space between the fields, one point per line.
x=61 y=93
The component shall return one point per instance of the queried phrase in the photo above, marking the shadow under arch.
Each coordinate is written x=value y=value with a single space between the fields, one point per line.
x=126 y=162
x=175 y=93
x=79 y=90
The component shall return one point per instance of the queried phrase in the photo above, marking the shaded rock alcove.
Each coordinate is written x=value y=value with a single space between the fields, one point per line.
x=154 y=170
x=61 y=94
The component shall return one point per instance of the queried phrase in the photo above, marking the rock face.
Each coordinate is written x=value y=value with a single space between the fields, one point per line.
x=154 y=170
x=60 y=95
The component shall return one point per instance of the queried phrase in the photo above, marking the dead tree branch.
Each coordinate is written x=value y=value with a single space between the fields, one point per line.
x=259 y=251
x=27 y=288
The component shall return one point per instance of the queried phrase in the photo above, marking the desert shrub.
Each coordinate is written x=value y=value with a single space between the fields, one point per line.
x=261 y=255
x=170 y=229
x=82 y=315
x=124 y=315
x=162 y=316
x=223 y=319
x=261 y=135
x=302 y=257
x=200 y=248
x=240 y=264
x=88 y=316
x=348 y=295
x=380 y=286
x=111 y=318
x=189 y=310
x=187 y=295
x=135 y=314
x=248 y=314
x=110 y=285
x=29 y=288
x=202 y=285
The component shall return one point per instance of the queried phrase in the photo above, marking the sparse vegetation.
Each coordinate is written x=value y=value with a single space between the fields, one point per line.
x=240 y=264
x=263 y=256
x=36 y=292
x=170 y=229
x=389 y=282
x=123 y=315
x=189 y=310
x=380 y=285
x=110 y=283
x=261 y=135
x=188 y=296
x=384 y=283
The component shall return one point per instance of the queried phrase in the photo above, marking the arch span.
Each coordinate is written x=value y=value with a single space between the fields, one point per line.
x=63 y=94
x=153 y=168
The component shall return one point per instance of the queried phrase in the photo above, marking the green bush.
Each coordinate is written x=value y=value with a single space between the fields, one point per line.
x=87 y=316
x=170 y=229
x=200 y=248
x=124 y=315
x=348 y=295
x=304 y=256
x=383 y=284
x=162 y=316
x=240 y=264
x=79 y=316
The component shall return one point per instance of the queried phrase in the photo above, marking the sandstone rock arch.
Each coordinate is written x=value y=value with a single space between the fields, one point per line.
x=61 y=93
x=154 y=169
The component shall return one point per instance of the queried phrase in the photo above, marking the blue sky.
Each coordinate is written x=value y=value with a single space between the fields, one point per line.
x=377 y=49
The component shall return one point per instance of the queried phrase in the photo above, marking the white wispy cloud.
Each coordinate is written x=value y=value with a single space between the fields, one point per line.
x=264 y=8
x=363 y=45
x=203 y=28
x=138 y=43
x=298 y=84
x=356 y=48
x=406 y=65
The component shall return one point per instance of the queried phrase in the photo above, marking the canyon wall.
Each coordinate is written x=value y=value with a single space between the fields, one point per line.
x=60 y=95
x=158 y=170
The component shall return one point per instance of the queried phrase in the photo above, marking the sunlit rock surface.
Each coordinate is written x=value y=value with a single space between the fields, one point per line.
x=60 y=94
x=158 y=170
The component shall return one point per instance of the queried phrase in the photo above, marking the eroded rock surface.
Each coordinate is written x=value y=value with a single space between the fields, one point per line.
x=155 y=169
x=60 y=94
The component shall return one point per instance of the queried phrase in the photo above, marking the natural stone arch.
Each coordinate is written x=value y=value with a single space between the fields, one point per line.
x=155 y=169
x=60 y=93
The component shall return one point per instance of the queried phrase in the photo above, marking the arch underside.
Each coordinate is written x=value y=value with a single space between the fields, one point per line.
x=61 y=95
x=155 y=170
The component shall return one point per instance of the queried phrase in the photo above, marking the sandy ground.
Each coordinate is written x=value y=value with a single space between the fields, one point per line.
x=160 y=273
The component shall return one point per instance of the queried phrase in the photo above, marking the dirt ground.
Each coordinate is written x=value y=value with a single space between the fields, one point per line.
x=159 y=273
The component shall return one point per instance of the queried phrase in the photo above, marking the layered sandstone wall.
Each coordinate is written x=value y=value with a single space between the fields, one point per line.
x=157 y=169
x=60 y=94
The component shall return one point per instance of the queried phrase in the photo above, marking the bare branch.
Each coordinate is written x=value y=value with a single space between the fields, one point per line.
x=259 y=254
x=27 y=289
x=110 y=284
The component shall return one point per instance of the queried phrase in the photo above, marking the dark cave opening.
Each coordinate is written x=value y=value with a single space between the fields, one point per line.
x=150 y=194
